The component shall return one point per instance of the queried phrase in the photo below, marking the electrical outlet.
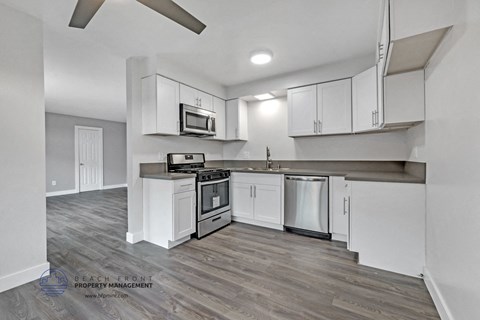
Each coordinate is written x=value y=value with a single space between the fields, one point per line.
x=162 y=156
x=246 y=155
x=54 y=182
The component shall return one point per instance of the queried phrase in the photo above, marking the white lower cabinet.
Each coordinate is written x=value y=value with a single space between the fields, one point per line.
x=258 y=199
x=339 y=208
x=169 y=211
x=387 y=225
x=183 y=214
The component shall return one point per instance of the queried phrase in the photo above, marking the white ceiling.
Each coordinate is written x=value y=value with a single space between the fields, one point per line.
x=85 y=69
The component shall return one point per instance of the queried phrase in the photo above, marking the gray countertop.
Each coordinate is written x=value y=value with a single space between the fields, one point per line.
x=168 y=176
x=399 y=177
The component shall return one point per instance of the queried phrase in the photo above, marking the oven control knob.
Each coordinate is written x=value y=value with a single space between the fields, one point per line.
x=209 y=177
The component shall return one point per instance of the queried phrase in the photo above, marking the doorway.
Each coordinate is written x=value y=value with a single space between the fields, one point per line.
x=88 y=158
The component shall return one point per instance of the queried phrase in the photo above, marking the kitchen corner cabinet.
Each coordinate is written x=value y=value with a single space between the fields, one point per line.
x=320 y=109
x=237 y=120
x=258 y=199
x=387 y=225
x=160 y=101
x=219 y=107
x=367 y=112
x=196 y=98
x=339 y=208
x=169 y=215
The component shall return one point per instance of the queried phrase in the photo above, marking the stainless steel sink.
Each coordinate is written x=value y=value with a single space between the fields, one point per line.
x=265 y=169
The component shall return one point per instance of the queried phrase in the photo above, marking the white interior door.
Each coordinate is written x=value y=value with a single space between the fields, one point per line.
x=90 y=158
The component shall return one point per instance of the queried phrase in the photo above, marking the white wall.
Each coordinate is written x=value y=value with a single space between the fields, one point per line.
x=267 y=125
x=329 y=72
x=449 y=142
x=23 y=252
x=141 y=148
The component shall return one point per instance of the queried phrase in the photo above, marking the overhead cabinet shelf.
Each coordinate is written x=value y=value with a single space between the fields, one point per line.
x=411 y=32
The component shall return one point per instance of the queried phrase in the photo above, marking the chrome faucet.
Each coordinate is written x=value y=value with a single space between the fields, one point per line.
x=269 y=162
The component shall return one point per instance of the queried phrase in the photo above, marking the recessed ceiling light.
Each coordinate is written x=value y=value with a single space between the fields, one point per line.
x=264 y=96
x=261 y=57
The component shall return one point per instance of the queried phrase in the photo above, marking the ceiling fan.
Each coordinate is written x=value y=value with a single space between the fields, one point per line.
x=86 y=9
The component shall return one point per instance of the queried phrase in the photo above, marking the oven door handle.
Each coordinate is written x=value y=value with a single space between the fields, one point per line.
x=206 y=183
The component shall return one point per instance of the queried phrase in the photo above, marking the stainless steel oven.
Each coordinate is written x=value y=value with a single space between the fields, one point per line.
x=213 y=191
x=196 y=121
x=213 y=197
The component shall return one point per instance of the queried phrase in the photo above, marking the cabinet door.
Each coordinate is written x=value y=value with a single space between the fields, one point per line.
x=302 y=111
x=388 y=225
x=232 y=119
x=242 y=195
x=384 y=41
x=188 y=95
x=220 y=118
x=160 y=106
x=184 y=205
x=205 y=100
x=365 y=106
x=237 y=120
x=242 y=120
x=267 y=203
x=340 y=208
x=334 y=103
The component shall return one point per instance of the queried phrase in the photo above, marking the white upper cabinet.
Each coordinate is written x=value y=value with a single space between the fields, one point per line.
x=320 y=109
x=220 y=118
x=237 y=120
x=412 y=17
x=365 y=105
x=334 y=107
x=196 y=98
x=302 y=111
x=160 y=106
x=414 y=30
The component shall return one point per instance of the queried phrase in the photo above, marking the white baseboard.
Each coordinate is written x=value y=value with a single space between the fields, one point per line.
x=115 y=186
x=21 y=277
x=437 y=296
x=134 y=237
x=61 y=193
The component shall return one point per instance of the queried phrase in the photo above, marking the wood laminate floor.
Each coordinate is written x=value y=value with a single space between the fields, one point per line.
x=240 y=272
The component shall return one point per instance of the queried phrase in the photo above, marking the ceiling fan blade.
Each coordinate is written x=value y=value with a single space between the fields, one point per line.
x=174 y=12
x=84 y=12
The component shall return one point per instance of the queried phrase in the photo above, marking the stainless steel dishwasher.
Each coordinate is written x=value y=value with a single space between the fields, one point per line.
x=306 y=205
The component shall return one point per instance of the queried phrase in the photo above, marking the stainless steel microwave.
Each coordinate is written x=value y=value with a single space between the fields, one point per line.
x=196 y=121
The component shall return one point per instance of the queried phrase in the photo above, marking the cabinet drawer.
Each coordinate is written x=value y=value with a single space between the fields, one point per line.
x=258 y=178
x=184 y=185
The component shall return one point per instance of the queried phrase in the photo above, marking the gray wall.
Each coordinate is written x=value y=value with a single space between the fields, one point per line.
x=60 y=150
x=23 y=238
